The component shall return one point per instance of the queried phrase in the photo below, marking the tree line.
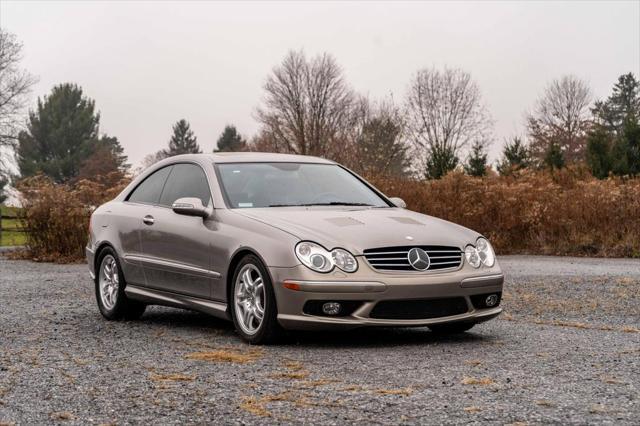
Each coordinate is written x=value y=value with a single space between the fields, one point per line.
x=309 y=108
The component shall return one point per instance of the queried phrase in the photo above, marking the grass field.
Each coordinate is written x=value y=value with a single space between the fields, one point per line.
x=10 y=229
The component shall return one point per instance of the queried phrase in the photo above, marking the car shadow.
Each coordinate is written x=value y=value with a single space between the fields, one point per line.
x=179 y=319
x=379 y=337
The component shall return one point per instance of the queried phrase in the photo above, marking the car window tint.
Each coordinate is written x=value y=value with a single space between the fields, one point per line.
x=186 y=180
x=149 y=190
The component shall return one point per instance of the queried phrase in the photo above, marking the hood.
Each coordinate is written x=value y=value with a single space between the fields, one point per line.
x=358 y=229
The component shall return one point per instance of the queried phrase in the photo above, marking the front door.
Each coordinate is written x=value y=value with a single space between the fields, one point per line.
x=176 y=251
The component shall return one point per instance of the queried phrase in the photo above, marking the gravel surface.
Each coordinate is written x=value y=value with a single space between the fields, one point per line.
x=566 y=350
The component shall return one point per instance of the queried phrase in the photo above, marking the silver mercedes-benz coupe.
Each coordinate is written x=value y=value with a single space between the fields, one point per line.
x=274 y=241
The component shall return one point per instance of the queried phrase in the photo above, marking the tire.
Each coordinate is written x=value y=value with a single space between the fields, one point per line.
x=109 y=286
x=453 y=328
x=253 y=303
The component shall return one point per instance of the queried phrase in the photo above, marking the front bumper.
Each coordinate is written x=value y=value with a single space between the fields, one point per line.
x=367 y=288
x=90 y=255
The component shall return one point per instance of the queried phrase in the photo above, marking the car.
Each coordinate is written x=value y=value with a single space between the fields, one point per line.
x=279 y=242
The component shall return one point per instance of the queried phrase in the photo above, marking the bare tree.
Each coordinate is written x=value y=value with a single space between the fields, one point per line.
x=307 y=106
x=560 y=118
x=15 y=85
x=444 y=114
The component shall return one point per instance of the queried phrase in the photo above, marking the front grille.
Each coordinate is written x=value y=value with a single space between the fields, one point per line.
x=396 y=259
x=419 y=308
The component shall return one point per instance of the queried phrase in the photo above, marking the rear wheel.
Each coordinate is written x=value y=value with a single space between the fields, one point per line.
x=109 y=282
x=253 y=302
x=453 y=328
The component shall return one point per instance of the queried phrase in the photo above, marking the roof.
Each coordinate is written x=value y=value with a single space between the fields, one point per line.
x=253 y=157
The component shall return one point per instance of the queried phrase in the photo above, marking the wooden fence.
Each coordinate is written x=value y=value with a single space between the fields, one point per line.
x=4 y=226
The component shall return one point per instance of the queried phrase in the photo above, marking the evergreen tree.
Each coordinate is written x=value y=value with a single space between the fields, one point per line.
x=477 y=161
x=623 y=103
x=440 y=162
x=60 y=134
x=113 y=145
x=3 y=184
x=599 y=152
x=554 y=158
x=380 y=150
x=614 y=144
x=515 y=156
x=183 y=140
x=231 y=141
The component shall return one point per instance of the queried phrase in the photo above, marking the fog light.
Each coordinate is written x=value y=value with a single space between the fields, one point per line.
x=331 y=308
x=491 y=300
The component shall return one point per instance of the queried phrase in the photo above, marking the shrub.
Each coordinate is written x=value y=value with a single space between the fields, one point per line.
x=566 y=212
x=56 y=216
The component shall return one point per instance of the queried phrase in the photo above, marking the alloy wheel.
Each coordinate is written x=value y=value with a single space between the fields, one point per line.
x=249 y=299
x=109 y=282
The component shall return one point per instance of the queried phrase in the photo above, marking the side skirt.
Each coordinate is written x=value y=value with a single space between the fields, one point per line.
x=157 y=297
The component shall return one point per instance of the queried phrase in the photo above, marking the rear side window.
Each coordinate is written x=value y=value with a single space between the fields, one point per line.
x=186 y=180
x=148 y=192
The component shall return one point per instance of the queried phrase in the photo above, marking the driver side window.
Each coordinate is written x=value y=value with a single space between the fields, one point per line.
x=185 y=180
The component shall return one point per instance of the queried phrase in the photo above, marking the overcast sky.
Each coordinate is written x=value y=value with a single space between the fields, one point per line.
x=148 y=64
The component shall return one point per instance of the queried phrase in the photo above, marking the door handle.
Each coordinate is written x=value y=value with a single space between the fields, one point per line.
x=148 y=219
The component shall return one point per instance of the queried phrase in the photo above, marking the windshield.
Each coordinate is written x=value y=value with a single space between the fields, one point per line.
x=250 y=185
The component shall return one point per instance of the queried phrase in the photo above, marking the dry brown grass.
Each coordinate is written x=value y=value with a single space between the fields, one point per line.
x=62 y=415
x=475 y=381
x=585 y=326
x=403 y=392
x=57 y=216
x=172 y=377
x=564 y=213
x=226 y=355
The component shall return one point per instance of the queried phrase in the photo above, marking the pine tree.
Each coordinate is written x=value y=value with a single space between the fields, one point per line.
x=599 y=152
x=440 y=162
x=623 y=103
x=231 y=141
x=183 y=140
x=477 y=161
x=614 y=143
x=515 y=156
x=554 y=158
x=3 y=184
x=60 y=134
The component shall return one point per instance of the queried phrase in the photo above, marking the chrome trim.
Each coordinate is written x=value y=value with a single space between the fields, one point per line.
x=436 y=260
x=482 y=281
x=170 y=264
x=151 y=296
x=340 y=286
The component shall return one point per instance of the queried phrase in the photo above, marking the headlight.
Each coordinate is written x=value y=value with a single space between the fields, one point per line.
x=315 y=257
x=473 y=257
x=344 y=260
x=485 y=251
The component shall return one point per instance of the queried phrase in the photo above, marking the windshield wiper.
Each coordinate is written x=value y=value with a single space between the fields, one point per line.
x=332 y=203
x=338 y=203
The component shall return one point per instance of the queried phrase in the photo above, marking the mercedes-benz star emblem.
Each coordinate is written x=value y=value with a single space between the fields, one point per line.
x=419 y=259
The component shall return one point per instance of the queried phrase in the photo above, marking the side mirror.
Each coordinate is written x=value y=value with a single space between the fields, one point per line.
x=189 y=206
x=399 y=202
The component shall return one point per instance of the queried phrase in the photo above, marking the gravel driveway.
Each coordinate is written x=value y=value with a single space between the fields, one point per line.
x=567 y=350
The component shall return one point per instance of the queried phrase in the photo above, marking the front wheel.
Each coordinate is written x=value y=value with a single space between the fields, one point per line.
x=253 y=301
x=112 y=300
x=453 y=328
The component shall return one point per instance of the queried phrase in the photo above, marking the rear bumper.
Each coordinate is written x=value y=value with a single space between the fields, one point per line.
x=371 y=288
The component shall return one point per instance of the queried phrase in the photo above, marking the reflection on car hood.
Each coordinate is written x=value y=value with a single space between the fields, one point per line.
x=357 y=229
